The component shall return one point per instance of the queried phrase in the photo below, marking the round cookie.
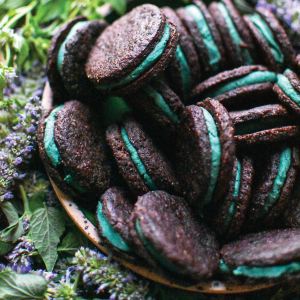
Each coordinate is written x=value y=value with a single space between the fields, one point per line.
x=184 y=70
x=131 y=51
x=269 y=255
x=287 y=89
x=236 y=36
x=271 y=40
x=66 y=59
x=274 y=185
x=113 y=213
x=73 y=149
x=167 y=229
x=264 y=124
x=206 y=37
x=205 y=153
x=141 y=164
x=245 y=86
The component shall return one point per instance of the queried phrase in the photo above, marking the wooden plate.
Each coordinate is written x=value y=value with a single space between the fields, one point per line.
x=90 y=231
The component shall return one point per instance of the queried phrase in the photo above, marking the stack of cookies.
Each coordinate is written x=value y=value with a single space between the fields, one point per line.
x=180 y=129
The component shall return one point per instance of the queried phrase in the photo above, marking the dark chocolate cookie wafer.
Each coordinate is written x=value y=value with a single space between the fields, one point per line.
x=169 y=232
x=235 y=34
x=141 y=164
x=132 y=50
x=66 y=60
x=72 y=145
x=268 y=255
x=264 y=124
x=205 y=152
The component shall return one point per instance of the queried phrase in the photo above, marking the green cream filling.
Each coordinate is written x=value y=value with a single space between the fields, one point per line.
x=184 y=69
x=62 y=49
x=137 y=161
x=109 y=233
x=284 y=165
x=215 y=154
x=252 y=78
x=268 y=36
x=151 y=250
x=269 y=272
x=235 y=35
x=213 y=51
x=261 y=272
x=51 y=149
x=113 y=110
x=146 y=64
x=161 y=104
x=237 y=184
x=286 y=86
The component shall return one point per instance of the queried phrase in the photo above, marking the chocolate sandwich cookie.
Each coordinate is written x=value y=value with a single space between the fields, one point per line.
x=264 y=124
x=269 y=255
x=275 y=179
x=205 y=35
x=184 y=69
x=132 y=50
x=232 y=212
x=287 y=89
x=160 y=107
x=73 y=150
x=166 y=228
x=113 y=213
x=205 y=153
x=245 y=86
x=67 y=56
x=274 y=46
x=141 y=164
x=236 y=36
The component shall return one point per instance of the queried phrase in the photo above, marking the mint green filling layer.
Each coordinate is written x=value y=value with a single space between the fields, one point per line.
x=137 y=161
x=151 y=250
x=268 y=36
x=50 y=146
x=252 y=78
x=146 y=64
x=62 y=49
x=184 y=69
x=51 y=149
x=113 y=110
x=286 y=86
x=232 y=207
x=269 y=272
x=235 y=35
x=284 y=165
x=215 y=154
x=161 y=104
x=213 y=51
x=109 y=233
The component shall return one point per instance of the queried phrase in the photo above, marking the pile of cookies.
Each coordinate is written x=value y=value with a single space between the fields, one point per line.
x=185 y=125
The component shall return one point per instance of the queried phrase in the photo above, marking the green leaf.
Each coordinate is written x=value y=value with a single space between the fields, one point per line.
x=74 y=239
x=46 y=226
x=118 y=5
x=37 y=200
x=10 y=212
x=21 y=286
x=5 y=247
x=21 y=46
x=50 y=10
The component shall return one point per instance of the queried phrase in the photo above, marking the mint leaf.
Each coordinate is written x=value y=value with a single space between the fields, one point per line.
x=21 y=286
x=74 y=239
x=37 y=200
x=46 y=226
x=5 y=247
x=118 y=5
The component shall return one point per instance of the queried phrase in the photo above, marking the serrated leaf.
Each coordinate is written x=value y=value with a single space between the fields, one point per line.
x=46 y=227
x=118 y=5
x=21 y=286
x=37 y=200
x=74 y=239
x=10 y=212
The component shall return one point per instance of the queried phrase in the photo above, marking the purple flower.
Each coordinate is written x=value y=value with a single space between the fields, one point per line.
x=18 y=160
x=7 y=196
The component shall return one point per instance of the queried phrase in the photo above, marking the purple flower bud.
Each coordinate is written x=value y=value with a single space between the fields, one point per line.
x=25 y=269
x=31 y=129
x=16 y=175
x=8 y=196
x=113 y=296
x=18 y=160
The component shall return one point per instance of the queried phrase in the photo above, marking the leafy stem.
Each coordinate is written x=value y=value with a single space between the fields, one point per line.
x=27 y=211
x=75 y=285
